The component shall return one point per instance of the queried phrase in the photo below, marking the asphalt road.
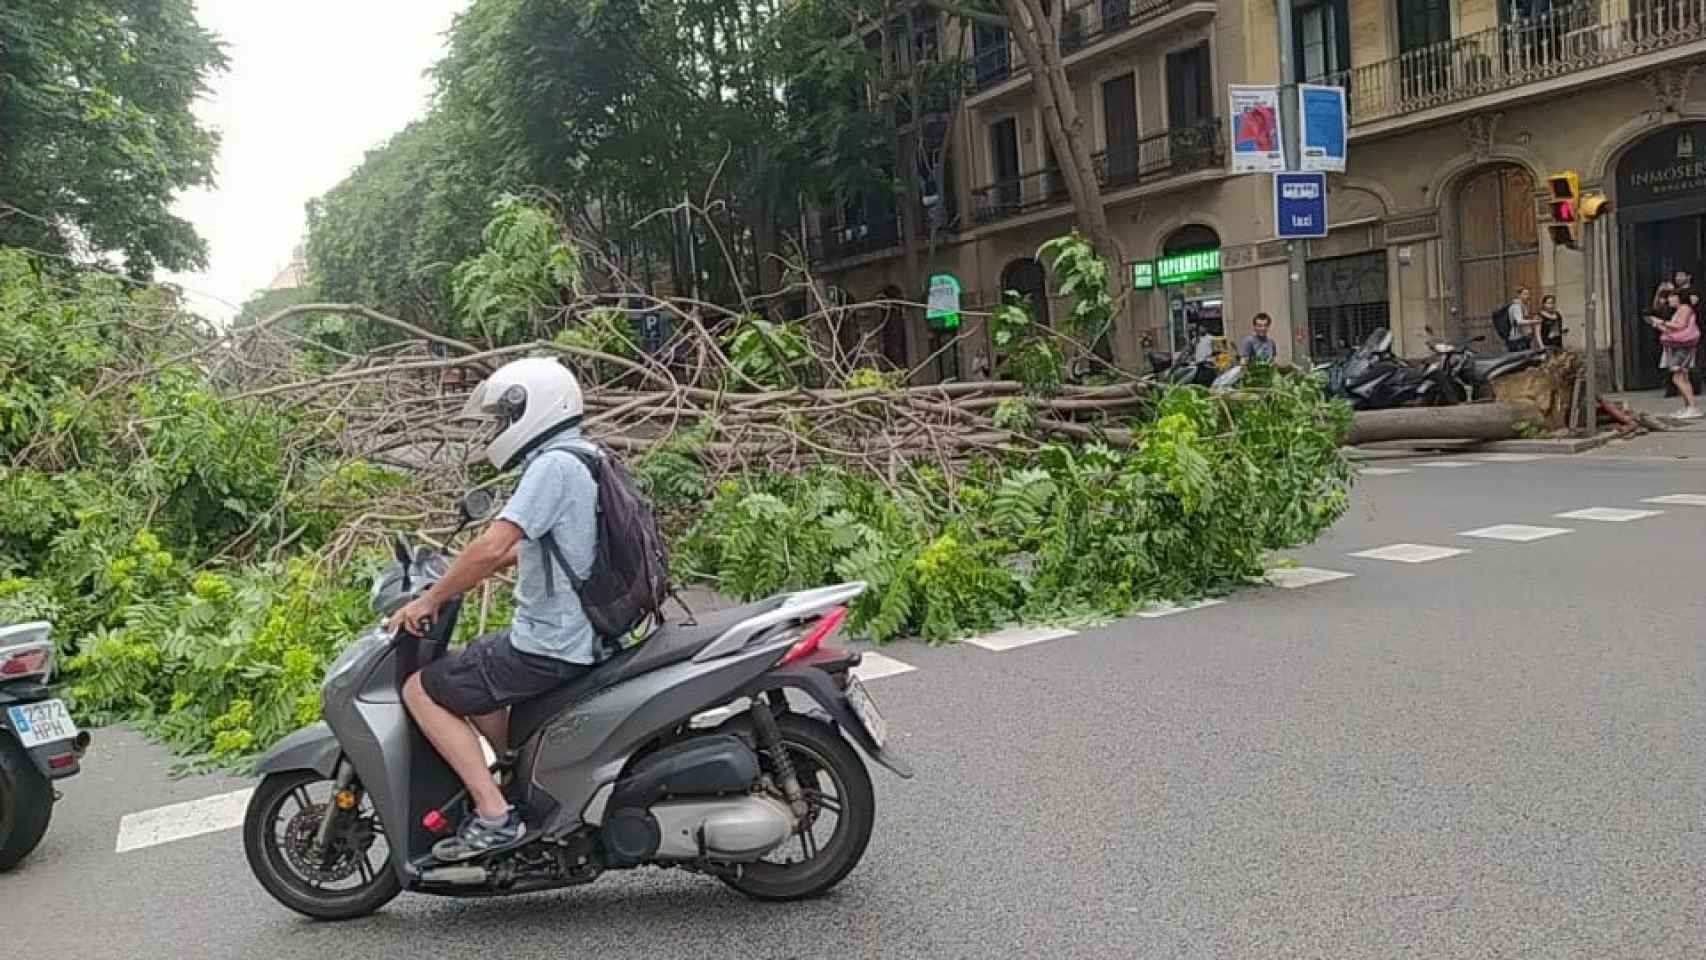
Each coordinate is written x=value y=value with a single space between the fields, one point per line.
x=1493 y=754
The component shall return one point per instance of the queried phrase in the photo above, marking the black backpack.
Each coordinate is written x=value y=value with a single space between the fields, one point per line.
x=629 y=580
x=1502 y=322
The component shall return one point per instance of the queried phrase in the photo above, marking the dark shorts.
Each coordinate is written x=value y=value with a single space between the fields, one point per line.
x=489 y=674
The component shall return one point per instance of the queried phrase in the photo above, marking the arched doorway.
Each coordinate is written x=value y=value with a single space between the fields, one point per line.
x=1661 y=221
x=1025 y=277
x=1189 y=272
x=1498 y=245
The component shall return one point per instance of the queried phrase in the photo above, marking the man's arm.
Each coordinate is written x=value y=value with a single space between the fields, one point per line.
x=493 y=550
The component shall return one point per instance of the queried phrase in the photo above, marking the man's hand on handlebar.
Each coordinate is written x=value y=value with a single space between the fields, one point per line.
x=415 y=616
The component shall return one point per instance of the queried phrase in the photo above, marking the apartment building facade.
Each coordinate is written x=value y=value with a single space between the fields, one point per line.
x=1457 y=110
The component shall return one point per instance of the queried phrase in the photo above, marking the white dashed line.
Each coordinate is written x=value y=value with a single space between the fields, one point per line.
x=1446 y=464
x=1166 y=608
x=875 y=666
x=1293 y=577
x=1014 y=637
x=1680 y=499
x=1509 y=457
x=1607 y=514
x=180 y=821
x=1410 y=553
x=1515 y=532
x=1384 y=471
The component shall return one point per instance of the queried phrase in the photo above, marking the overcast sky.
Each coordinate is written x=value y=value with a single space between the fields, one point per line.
x=313 y=85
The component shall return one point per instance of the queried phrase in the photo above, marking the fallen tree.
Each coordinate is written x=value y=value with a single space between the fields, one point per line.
x=1467 y=421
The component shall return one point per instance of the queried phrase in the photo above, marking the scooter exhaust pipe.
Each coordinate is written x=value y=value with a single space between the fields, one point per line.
x=463 y=875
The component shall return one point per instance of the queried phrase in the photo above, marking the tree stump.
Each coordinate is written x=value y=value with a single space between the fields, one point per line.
x=1549 y=388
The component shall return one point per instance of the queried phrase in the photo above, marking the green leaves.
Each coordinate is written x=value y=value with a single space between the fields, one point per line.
x=528 y=265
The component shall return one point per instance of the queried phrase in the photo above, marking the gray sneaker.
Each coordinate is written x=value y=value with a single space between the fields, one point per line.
x=476 y=838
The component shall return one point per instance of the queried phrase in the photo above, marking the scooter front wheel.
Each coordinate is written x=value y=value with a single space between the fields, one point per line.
x=26 y=803
x=350 y=877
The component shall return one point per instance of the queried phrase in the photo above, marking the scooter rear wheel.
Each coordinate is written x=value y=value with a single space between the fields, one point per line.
x=278 y=829
x=822 y=759
x=26 y=804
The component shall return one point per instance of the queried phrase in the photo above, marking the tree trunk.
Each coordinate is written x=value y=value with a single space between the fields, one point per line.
x=1062 y=123
x=1469 y=421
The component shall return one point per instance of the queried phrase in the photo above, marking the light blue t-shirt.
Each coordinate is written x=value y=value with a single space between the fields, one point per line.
x=556 y=493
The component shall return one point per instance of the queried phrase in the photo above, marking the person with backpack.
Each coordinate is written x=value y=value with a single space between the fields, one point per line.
x=1679 y=334
x=1520 y=329
x=554 y=512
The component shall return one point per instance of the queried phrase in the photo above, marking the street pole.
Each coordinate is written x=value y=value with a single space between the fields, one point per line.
x=1298 y=299
x=1590 y=284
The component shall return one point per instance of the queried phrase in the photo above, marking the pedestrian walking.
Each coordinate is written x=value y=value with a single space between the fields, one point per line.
x=1257 y=346
x=1679 y=334
x=1551 y=323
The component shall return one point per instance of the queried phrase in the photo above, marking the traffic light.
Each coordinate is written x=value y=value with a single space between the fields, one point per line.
x=1565 y=196
x=1592 y=206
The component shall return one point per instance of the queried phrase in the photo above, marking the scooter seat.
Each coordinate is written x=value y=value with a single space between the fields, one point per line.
x=669 y=644
x=1483 y=371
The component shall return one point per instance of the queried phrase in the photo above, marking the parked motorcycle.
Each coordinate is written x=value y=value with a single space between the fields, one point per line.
x=38 y=741
x=682 y=751
x=1468 y=377
x=1373 y=378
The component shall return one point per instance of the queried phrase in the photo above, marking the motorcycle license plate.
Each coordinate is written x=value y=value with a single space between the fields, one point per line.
x=866 y=710
x=39 y=723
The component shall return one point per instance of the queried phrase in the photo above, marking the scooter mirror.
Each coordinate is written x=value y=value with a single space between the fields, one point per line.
x=475 y=505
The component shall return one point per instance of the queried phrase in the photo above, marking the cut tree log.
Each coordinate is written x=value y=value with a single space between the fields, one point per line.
x=1469 y=421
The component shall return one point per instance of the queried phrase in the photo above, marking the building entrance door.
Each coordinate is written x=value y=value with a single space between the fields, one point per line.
x=1661 y=217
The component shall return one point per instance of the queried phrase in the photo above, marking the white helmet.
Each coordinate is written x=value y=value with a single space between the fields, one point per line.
x=531 y=399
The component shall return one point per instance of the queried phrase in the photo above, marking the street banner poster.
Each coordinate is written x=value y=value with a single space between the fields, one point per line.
x=1256 y=144
x=1321 y=115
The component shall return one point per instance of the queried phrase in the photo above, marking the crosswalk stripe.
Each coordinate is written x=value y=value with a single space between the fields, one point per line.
x=1018 y=636
x=875 y=666
x=180 y=821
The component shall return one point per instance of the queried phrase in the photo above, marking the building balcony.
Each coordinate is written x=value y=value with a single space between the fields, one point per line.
x=1086 y=30
x=853 y=240
x=1169 y=153
x=1573 y=43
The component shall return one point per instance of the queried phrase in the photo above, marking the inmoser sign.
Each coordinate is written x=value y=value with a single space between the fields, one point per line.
x=1668 y=165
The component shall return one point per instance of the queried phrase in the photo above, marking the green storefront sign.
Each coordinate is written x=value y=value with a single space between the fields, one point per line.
x=1186 y=267
x=1178 y=268
x=942 y=302
x=1143 y=274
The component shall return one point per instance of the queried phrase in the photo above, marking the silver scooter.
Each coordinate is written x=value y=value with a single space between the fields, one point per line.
x=682 y=751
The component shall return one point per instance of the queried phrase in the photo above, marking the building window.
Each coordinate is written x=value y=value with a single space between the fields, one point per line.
x=1322 y=41
x=1347 y=302
x=1119 y=128
x=1498 y=245
x=1189 y=99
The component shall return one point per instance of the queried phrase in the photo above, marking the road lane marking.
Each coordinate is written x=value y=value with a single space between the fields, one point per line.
x=1680 y=499
x=1446 y=464
x=875 y=666
x=1014 y=637
x=1166 y=608
x=1515 y=532
x=1384 y=471
x=1509 y=457
x=1292 y=578
x=180 y=821
x=1607 y=514
x=1410 y=553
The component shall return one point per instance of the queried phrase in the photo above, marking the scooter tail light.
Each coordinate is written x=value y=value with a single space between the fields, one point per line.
x=434 y=822
x=29 y=660
x=819 y=632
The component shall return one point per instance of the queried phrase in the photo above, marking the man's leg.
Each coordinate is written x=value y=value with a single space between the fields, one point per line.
x=494 y=727
x=456 y=742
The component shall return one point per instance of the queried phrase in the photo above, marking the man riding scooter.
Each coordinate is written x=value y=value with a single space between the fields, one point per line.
x=537 y=405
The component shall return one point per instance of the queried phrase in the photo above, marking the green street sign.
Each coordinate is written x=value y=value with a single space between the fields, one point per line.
x=942 y=302
x=1186 y=267
x=1143 y=275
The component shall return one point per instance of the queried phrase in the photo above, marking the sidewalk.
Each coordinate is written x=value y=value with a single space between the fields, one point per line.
x=1683 y=441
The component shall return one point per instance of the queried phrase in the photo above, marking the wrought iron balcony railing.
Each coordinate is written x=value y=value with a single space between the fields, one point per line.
x=1169 y=153
x=1569 y=38
x=1080 y=26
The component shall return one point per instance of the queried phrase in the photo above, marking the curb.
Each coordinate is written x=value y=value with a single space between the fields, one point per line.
x=1548 y=445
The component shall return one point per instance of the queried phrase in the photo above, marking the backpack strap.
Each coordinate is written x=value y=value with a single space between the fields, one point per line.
x=554 y=558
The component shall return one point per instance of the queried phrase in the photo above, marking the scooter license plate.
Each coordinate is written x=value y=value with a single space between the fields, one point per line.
x=866 y=710
x=39 y=723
